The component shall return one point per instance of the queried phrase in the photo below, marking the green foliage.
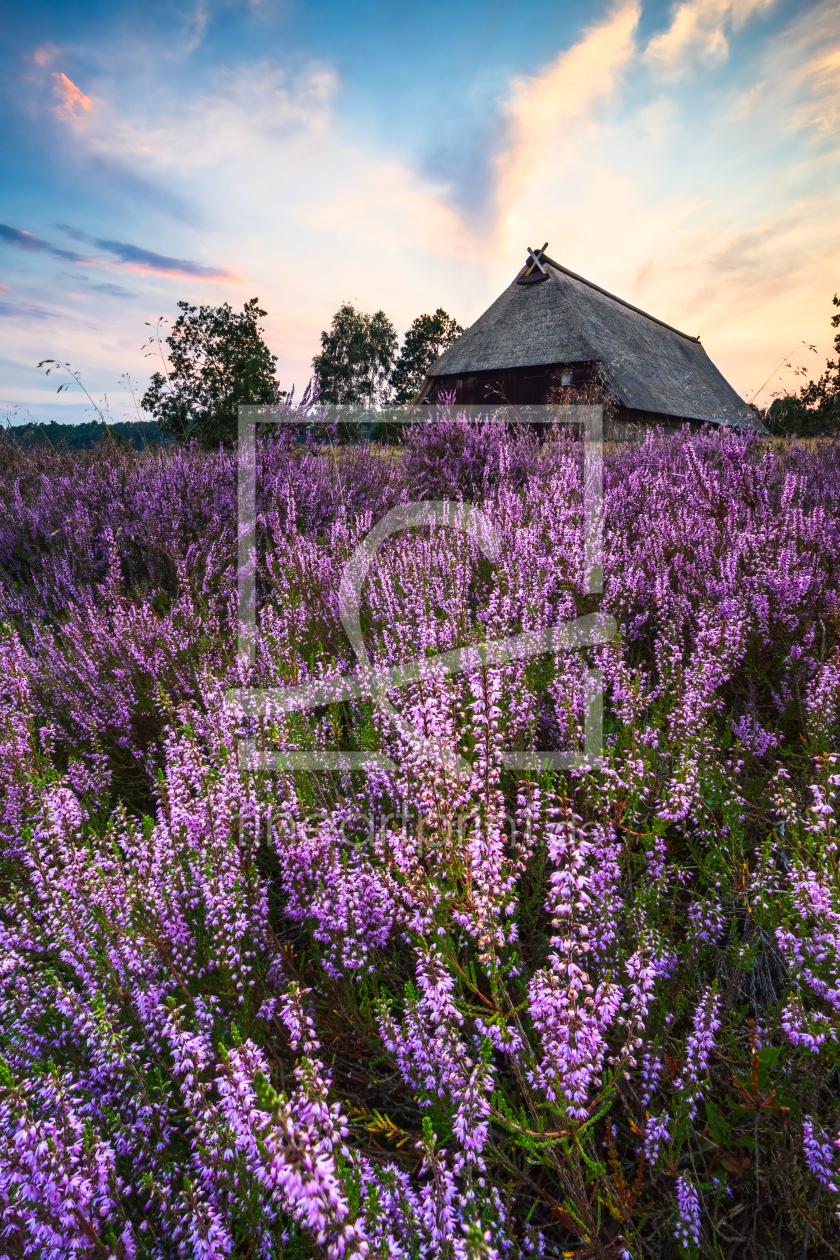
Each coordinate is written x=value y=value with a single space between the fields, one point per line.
x=815 y=410
x=217 y=360
x=356 y=365
x=138 y=434
x=356 y=357
x=425 y=342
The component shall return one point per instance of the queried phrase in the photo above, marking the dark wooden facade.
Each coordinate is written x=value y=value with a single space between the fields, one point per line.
x=519 y=386
x=564 y=383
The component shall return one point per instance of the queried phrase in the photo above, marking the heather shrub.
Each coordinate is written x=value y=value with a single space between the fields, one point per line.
x=441 y=1005
x=461 y=458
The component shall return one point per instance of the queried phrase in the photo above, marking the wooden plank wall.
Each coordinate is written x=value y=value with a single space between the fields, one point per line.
x=520 y=386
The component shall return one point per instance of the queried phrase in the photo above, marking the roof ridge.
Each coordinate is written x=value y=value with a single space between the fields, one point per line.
x=589 y=283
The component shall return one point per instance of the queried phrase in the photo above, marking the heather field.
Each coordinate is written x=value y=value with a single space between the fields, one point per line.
x=436 y=1006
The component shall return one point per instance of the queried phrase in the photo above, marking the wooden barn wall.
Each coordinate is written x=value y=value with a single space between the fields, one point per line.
x=521 y=386
x=535 y=386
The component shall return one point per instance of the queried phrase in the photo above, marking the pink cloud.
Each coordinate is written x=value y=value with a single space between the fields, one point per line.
x=71 y=96
x=43 y=55
x=149 y=270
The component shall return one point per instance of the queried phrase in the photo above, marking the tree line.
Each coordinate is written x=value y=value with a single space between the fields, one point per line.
x=140 y=435
x=216 y=359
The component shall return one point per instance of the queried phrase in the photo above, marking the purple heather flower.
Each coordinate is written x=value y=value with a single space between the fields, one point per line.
x=820 y=1155
x=146 y=1004
x=698 y=1048
x=708 y=920
x=687 y=1232
x=657 y=1133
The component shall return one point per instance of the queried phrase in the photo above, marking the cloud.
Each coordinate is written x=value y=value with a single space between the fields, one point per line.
x=806 y=64
x=195 y=26
x=22 y=310
x=758 y=288
x=823 y=110
x=113 y=290
x=698 y=32
x=23 y=240
x=799 y=84
x=693 y=204
x=258 y=107
x=132 y=256
x=545 y=111
x=231 y=152
x=44 y=55
x=747 y=100
x=71 y=96
x=32 y=245
x=137 y=259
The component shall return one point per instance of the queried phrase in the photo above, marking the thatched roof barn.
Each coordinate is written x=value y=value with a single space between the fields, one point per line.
x=554 y=337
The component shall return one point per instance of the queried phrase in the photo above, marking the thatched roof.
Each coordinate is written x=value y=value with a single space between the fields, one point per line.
x=646 y=364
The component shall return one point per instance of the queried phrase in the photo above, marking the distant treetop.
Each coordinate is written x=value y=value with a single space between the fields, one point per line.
x=357 y=352
x=425 y=342
x=358 y=363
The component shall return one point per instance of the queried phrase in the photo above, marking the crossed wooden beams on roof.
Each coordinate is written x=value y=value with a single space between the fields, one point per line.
x=534 y=272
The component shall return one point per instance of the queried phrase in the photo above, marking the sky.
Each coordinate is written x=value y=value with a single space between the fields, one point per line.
x=403 y=156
